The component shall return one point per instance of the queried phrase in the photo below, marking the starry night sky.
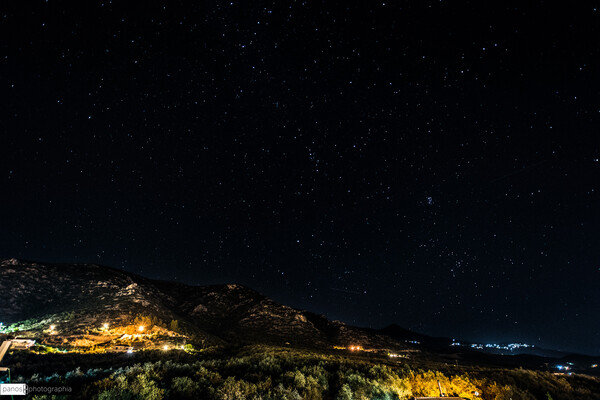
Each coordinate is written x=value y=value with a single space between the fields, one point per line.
x=425 y=163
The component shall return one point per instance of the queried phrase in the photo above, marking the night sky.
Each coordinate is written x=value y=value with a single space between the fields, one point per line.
x=433 y=164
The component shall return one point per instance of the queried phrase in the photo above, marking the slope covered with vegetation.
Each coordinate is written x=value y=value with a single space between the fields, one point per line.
x=261 y=372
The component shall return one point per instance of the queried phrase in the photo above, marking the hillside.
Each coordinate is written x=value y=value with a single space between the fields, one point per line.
x=90 y=308
x=230 y=341
x=76 y=300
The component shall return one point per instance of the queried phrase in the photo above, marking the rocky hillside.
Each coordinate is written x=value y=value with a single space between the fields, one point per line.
x=80 y=297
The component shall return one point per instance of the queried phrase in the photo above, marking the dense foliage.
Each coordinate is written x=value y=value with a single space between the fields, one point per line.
x=274 y=373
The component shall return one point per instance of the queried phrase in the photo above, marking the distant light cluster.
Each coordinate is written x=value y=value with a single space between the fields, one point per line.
x=480 y=346
x=563 y=367
x=510 y=346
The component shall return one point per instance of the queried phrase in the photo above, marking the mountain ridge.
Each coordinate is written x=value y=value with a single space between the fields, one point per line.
x=79 y=298
x=89 y=294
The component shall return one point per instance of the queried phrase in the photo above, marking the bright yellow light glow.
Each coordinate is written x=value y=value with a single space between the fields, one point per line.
x=165 y=347
x=105 y=326
x=52 y=327
x=141 y=328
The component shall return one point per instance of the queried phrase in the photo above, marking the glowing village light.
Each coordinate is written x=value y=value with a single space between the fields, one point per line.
x=141 y=328
x=105 y=325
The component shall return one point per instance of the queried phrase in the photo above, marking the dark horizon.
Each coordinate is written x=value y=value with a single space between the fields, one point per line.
x=429 y=164
x=467 y=339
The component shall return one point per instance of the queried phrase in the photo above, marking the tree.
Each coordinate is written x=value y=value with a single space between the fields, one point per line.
x=345 y=393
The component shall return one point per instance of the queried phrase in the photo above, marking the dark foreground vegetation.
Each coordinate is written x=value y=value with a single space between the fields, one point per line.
x=260 y=372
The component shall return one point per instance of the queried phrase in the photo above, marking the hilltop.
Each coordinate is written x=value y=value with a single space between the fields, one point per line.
x=94 y=308
x=87 y=304
x=230 y=341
